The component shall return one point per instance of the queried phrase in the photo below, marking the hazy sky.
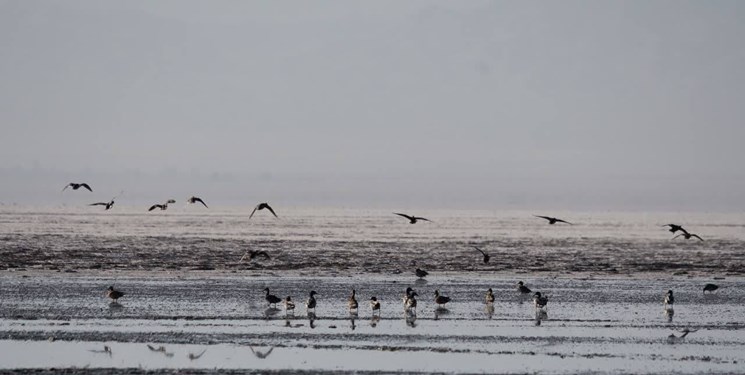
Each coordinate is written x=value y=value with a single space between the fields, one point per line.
x=479 y=104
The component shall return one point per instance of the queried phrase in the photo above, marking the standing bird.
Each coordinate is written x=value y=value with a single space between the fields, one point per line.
x=107 y=204
x=539 y=301
x=522 y=288
x=407 y=296
x=375 y=305
x=163 y=206
x=669 y=300
x=674 y=227
x=76 y=186
x=410 y=303
x=352 y=302
x=489 y=296
x=553 y=220
x=420 y=273
x=486 y=256
x=262 y=206
x=687 y=235
x=311 y=303
x=710 y=287
x=114 y=294
x=289 y=305
x=412 y=219
x=193 y=200
x=440 y=300
x=271 y=298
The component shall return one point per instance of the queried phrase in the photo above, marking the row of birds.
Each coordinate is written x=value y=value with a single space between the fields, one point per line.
x=540 y=301
x=413 y=219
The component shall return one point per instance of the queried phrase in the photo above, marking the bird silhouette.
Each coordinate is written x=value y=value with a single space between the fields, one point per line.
x=687 y=235
x=522 y=288
x=108 y=205
x=710 y=287
x=114 y=294
x=486 y=256
x=553 y=220
x=163 y=206
x=193 y=200
x=271 y=298
x=76 y=186
x=420 y=273
x=412 y=219
x=674 y=227
x=262 y=206
x=311 y=303
x=441 y=300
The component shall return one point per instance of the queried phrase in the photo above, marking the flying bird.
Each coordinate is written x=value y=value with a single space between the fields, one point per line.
x=107 y=204
x=687 y=235
x=553 y=220
x=674 y=227
x=114 y=294
x=262 y=206
x=163 y=206
x=412 y=219
x=76 y=186
x=710 y=287
x=193 y=200
x=486 y=256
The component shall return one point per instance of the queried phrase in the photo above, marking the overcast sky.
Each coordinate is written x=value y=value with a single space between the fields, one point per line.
x=476 y=104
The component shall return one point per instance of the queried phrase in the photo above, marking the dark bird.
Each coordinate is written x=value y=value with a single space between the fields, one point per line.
x=311 y=303
x=107 y=204
x=410 y=303
x=289 y=305
x=259 y=354
x=420 y=273
x=262 y=206
x=669 y=299
x=255 y=253
x=687 y=235
x=407 y=295
x=375 y=305
x=163 y=206
x=412 y=219
x=114 y=294
x=522 y=288
x=710 y=287
x=539 y=301
x=486 y=256
x=76 y=186
x=352 y=302
x=489 y=296
x=196 y=356
x=440 y=300
x=553 y=220
x=271 y=298
x=193 y=200
x=674 y=227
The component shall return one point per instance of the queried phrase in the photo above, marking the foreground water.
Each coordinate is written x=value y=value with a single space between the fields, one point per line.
x=188 y=292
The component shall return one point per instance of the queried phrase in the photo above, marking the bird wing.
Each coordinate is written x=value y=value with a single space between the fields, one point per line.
x=271 y=210
x=696 y=235
x=170 y=201
x=404 y=215
x=87 y=187
x=66 y=186
x=563 y=221
x=676 y=236
x=544 y=217
x=422 y=218
x=153 y=207
x=98 y=204
x=683 y=230
x=195 y=199
x=481 y=251
x=254 y=211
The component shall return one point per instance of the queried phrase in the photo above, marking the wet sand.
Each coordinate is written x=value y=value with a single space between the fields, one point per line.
x=603 y=324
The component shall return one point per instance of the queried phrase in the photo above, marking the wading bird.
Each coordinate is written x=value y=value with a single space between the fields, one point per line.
x=107 y=204
x=262 y=206
x=412 y=219
x=163 y=206
x=486 y=256
x=193 y=200
x=411 y=302
x=522 y=288
x=375 y=305
x=352 y=302
x=289 y=305
x=420 y=273
x=311 y=303
x=489 y=296
x=669 y=300
x=271 y=298
x=553 y=220
x=114 y=294
x=440 y=300
x=710 y=287
x=540 y=301
x=76 y=186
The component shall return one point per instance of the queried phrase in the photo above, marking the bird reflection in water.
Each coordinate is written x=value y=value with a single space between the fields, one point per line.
x=441 y=311
x=261 y=355
x=669 y=313
x=271 y=311
x=489 y=310
x=374 y=321
x=312 y=319
x=193 y=357
x=540 y=315
x=160 y=349
x=106 y=350
x=410 y=319
x=351 y=320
